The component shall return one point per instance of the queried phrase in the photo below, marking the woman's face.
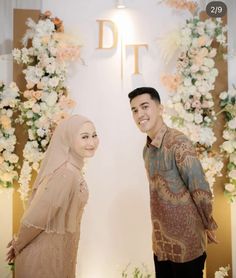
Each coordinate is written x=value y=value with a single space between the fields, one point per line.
x=86 y=141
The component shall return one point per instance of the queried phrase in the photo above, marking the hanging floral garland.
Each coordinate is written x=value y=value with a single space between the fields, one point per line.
x=191 y=108
x=181 y=4
x=46 y=99
x=9 y=100
x=228 y=104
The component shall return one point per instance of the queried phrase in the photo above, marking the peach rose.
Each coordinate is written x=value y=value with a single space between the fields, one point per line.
x=27 y=93
x=5 y=121
x=37 y=94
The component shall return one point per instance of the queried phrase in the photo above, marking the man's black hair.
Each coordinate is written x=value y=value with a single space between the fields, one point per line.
x=145 y=90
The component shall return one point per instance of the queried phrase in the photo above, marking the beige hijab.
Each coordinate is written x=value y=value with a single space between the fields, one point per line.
x=61 y=147
x=53 y=188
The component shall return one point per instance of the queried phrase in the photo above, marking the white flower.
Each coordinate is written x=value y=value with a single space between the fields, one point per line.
x=44 y=142
x=232 y=123
x=230 y=187
x=228 y=146
x=232 y=158
x=198 y=118
x=36 y=108
x=209 y=62
x=41 y=132
x=51 y=99
x=187 y=82
x=39 y=72
x=189 y=117
x=207 y=136
x=212 y=53
x=31 y=135
x=53 y=82
x=17 y=55
x=222 y=272
x=51 y=68
x=29 y=114
x=223 y=95
x=221 y=39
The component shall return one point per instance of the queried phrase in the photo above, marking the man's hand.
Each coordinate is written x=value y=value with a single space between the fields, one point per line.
x=211 y=237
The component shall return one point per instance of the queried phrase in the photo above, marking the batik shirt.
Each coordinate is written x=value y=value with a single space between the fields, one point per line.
x=180 y=197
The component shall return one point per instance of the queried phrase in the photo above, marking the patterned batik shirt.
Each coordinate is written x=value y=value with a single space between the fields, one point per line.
x=180 y=197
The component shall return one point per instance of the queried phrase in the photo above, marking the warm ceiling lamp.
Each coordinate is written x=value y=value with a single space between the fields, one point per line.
x=120 y=4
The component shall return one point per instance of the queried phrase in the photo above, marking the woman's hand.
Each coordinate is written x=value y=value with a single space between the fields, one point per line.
x=11 y=253
x=211 y=237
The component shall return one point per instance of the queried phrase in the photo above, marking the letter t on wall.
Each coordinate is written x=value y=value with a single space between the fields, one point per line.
x=136 y=56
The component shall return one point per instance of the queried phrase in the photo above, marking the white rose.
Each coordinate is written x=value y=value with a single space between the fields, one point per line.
x=50 y=68
x=29 y=114
x=36 y=42
x=214 y=72
x=14 y=158
x=228 y=146
x=44 y=142
x=230 y=187
x=198 y=118
x=9 y=113
x=189 y=117
x=16 y=54
x=218 y=274
x=208 y=96
x=210 y=103
x=36 y=108
x=232 y=158
x=187 y=82
x=53 y=82
x=221 y=38
x=194 y=68
x=51 y=99
x=232 y=174
x=41 y=132
x=39 y=72
x=209 y=62
x=203 y=89
x=205 y=69
x=207 y=136
x=232 y=123
x=192 y=89
x=31 y=134
x=223 y=95
x=212 y=53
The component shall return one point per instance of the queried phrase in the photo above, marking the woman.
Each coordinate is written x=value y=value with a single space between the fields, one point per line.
x=49 y=233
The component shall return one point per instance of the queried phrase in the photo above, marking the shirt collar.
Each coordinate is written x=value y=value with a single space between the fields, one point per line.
x=158 y=138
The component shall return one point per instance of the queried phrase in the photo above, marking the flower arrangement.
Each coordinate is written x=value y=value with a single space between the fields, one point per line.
x=182 y=4
x=46 y=99
x=222 y=272
x=136 y=272
x=9 y=100
x=191 y=108
x=228 y=105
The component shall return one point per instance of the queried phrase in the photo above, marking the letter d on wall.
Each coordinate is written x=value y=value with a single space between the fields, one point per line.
x=112 y=26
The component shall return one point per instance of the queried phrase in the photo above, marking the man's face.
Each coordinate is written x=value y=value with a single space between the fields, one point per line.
x=147 y=114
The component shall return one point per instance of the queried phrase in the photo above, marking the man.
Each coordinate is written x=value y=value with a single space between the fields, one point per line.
x=180 y=196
